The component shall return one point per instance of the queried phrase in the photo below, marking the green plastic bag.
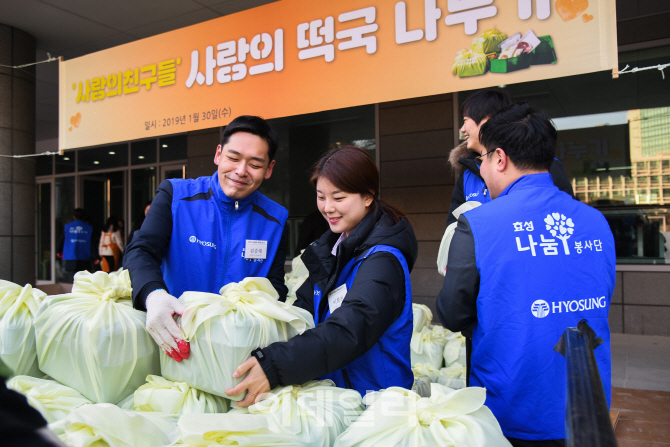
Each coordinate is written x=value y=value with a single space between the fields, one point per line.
x=488 y=42
x=164 y=396
x=401 y=418
x=224 y=328
x=53 y=400
x=241 y=430
x=468 y=63
x=106 y=425
x=317 y=412
x=93 y=340
x=18 y=306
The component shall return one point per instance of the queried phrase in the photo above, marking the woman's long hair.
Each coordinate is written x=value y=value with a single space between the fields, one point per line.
x=352 y=170
x=112 y=225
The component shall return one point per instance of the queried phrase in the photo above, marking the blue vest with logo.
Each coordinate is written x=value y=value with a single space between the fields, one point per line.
x=77 y=245
x=387 y=363
x=546 y=261
x=474 y=188
x=209 y=235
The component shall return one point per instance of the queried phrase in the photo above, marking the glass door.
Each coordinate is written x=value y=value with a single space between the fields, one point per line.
x=173 y=171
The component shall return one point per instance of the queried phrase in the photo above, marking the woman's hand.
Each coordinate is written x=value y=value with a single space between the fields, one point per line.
x=256 y=383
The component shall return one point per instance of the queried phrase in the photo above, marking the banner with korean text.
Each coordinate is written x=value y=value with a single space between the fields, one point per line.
x=300 y=56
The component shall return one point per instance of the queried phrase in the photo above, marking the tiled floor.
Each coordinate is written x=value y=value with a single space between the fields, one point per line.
x=641 y=389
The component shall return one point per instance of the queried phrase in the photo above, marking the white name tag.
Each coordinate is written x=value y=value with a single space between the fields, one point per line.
x=336 y=297
x=255 y=249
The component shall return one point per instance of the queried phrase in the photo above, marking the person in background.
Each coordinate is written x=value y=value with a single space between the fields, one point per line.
x=197 y=232
x=358 y=290
x=111 y=245
x=76 y=244
x=312 y=227
x=518 y=276
x=138 y=222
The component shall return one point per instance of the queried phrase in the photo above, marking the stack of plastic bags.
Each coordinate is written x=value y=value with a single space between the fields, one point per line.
x=93 y=340
x=424 y=374
x=427 y=346
x=224 y=328
x=53 y=400
x=399 y=417
x=454 y=350
x=295 y=278
x=18 y=306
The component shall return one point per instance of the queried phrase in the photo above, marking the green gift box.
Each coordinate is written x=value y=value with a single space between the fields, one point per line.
x=510 y=64
x=544 y=53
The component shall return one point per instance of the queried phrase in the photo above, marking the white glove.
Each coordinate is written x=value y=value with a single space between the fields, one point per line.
x=161 y=306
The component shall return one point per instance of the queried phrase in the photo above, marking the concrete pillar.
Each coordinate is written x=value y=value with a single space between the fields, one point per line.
x=17 y=176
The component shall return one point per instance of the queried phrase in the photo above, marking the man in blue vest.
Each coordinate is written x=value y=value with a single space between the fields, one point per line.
x=76 y=244
x=521 y=270
x=201 y=234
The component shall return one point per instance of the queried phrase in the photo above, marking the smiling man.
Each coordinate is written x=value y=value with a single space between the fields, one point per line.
x=201 y=234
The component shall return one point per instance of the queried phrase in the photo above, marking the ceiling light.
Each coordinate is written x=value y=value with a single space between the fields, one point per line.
x=66 y=158
x=112 y=153
x=165 y=145
x=141 y=157
x=96 y=162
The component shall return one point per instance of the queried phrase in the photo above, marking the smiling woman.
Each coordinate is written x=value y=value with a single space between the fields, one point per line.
x=358 y=290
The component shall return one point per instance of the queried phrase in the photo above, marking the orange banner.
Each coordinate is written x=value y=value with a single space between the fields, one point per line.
x=300 y=56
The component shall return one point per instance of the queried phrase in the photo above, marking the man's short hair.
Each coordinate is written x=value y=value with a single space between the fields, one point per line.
x=254 y=125
x=527 y=137
x=79 y=214
x=484 y=104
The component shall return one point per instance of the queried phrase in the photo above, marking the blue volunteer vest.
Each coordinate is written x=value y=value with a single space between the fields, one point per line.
x=77 y=245
x=207 y=247
x=474 y=188
x=387 y=363
x=546 y=261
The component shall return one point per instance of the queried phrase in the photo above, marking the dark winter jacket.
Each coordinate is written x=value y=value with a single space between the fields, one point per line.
x=375 y=300
x=462 y=158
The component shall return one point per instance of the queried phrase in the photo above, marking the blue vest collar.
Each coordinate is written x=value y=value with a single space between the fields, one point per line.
x=223 y=198
x=541 y=180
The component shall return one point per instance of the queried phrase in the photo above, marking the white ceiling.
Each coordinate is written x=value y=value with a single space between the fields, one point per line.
x=73 y=28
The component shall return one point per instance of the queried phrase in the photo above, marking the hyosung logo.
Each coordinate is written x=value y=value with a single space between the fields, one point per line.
x=194 y=240
x=540 y=308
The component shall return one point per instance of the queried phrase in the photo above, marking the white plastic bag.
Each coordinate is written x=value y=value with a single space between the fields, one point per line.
x=422 y=316
x=427 y=346
x=93 y=340
x=295 y=278
x=426 y=370
x=106 y=425
x=401 y=418
x=454 y=350
x=453 y=376
x=422 y=386
x=164 y=396
x=224 y=329
x=241 y=430
x=317 y=412
x=18 y=306
x=443 y=252
x=53 y=400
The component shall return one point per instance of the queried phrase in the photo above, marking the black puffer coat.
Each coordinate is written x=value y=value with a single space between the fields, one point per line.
x=375 y=300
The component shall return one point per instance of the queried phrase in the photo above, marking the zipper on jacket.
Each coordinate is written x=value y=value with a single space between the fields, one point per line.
x=485 y=189
x=236 y=206
x=347 y=382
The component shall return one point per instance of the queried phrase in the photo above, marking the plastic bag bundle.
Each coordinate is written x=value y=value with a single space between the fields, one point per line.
x=53 y=400
x=422 y=386
x=488 y=42
x=164 y=396
x=93 y=340
x=317 y=412
x=109 y=426
x=401 y=418
x=468 y=63
x=426 y=370
x=422 y=316
x=295 y=278
x=223 y=330
x=242 y=430
x=453 y=376
x=454 y=350
x=18 y=306
x=427 y=346
x=443 y=253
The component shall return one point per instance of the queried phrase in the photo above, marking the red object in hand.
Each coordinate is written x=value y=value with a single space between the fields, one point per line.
x=184 y=348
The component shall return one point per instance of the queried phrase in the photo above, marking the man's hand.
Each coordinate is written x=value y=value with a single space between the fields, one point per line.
x=161 y=306
x=256 y=383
